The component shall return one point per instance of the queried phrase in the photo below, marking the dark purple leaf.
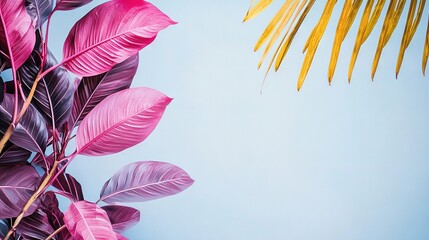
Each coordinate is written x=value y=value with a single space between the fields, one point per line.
x=35 y=227
x=95 y=44
x=87 y=221
x=16 y=31
x=39 y=161
x=17 y=184
x=12 y=154
x=4 y=227
x=50 y=206
x=144 y=181
x=9 y=87
x=92 y=90
x=54 y=93
x=2 y=90
x=70 y=4
x=39 y=10
x=121 y=217
x=120 y=121
x=68 y=184
x=31 y=133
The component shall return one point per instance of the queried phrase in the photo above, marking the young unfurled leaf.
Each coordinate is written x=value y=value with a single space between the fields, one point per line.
x=54 y=92
x=17 y=184
x=16 y=32
x=122 y=217
x=120 y=121
x=31 y=133
x=95 y=44
x=39 y=10
x=68 y=184
x=12 y=154
x=92 y=90
x=35 y=226
x=144 y=181
x=87 y=221
x=70 y=4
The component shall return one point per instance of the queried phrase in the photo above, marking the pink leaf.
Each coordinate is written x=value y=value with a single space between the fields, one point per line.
x=17 y=184
x=87 y=221
x=111 y=33
x=16 y=31
x=122 y=217
x=143 y=181
x=70 y=4
x=120 y=121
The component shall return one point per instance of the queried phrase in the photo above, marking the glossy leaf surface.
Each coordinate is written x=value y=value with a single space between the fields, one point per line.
x=87 y=221
x=17 y=184
x=35 y=226
x=39 y=10
x=16 y=31
x=50 y=206
x=143 y=181
x=31 y=133
x=68 y=184
x=95 y=44
x=122 y=217
x=120 y=121
x=12 y=154
x=54 y=93
x=70 y=4
x=92 y=90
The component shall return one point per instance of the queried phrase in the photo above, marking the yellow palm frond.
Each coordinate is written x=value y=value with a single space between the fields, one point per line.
x=292 y=13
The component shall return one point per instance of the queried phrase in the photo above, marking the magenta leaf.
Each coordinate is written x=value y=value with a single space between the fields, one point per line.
x=70 y=4
x=95 y=44
x=68 y=184
x=12 y=154
x=121 y=217
x=39 y=10
x=144 y=181
x=35 y=226
x=92 y=90
x=50 y=206
x=120 y=237
x=16 y=31
x=54 y=93
x=31 y=133
x=17 y=184
x=87 y=221
x=120 y=121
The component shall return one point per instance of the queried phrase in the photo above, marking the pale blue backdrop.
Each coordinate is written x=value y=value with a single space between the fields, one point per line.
x=340 y=162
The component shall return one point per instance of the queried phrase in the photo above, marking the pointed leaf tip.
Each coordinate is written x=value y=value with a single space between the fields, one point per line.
x=120 y=121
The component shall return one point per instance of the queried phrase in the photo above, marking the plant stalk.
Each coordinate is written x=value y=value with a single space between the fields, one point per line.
x=56 y=232
x=30 y=201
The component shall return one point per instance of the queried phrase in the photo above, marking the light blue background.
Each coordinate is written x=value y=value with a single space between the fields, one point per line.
x=330 y=162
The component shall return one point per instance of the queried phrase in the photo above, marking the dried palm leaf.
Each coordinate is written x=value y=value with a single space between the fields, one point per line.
x=293 y=13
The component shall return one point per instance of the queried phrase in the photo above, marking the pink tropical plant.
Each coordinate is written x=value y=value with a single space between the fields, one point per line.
x=41 y=108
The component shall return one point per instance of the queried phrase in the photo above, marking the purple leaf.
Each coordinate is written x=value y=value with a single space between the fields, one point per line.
x=144 y=181
x=16 y=31
x=87 y=221
x=35 y=226
x=92 y=90
x=31 y=133
x=2 y=89
x=121 y=217
x=70 y=4
x=17 y=184
x=95 y=44
x=39 y=10
x=68 y=184
x=50 y=206
x=54 y=93
x=120 y=121
x=12 y=154
x=4 y=227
